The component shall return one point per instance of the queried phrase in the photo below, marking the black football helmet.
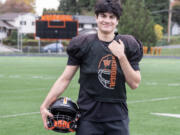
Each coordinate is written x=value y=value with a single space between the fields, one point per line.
x=65 y=115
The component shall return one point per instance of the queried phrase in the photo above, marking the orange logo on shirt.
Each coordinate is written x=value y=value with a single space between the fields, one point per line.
x=113 y=73
x=107 y=62
x=107 y=71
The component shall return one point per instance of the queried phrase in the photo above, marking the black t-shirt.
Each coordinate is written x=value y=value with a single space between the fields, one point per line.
x=93 y=110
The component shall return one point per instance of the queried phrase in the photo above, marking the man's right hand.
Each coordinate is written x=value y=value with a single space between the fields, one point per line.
x=44 y=114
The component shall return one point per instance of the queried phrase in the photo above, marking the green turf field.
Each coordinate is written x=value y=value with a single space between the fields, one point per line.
x=25 y=81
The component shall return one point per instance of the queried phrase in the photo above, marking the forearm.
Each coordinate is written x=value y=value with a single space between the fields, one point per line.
x=60 y=85
x=57 y=89
x=132 y=77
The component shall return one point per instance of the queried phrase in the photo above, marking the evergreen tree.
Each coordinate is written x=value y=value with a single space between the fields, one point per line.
x=159 y=11
x=68 y=6
x=76 y=6
x=176 y=14
x=87 y=5
x=136 y=21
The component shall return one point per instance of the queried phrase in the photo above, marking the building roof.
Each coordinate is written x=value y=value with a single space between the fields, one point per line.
x=6 y=25
x=85 y=19
x=11 y=16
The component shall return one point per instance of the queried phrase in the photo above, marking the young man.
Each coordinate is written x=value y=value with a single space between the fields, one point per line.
x=107 y=61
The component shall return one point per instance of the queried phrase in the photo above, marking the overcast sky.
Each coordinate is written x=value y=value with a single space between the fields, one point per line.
x=40 y=4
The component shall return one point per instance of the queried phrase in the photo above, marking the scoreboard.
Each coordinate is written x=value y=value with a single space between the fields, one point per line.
x=56 y=27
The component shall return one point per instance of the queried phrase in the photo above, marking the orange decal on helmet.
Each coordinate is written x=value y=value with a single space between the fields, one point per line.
x=65 y=101
x=62 y=124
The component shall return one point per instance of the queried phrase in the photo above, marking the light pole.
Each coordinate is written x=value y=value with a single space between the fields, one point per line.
x=169 y=19
x=18 y=38
x=1 y=36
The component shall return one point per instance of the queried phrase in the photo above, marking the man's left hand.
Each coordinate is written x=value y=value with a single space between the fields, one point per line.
x=117 y=48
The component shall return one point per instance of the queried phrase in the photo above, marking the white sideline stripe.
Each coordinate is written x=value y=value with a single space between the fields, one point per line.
x=20 y=114
x=167 y=115
x=23 y=90
x=152 y=100
x=129 y=102
x=156 y=83
x=174 y=84
x=26 y=76
x=151 y=83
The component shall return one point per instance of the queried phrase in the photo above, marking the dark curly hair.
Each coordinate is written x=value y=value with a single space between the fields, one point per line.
x=111 y=6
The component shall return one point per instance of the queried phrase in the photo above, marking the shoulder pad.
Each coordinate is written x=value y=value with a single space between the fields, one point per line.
x=78 y=46
x=133 y=47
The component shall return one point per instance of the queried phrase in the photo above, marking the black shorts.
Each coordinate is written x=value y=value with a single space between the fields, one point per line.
x=119 y=127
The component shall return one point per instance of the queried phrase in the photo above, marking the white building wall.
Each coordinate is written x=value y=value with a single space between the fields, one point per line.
x=88 y=26
x=3 y=35
x=175 y=29
x=25 y=23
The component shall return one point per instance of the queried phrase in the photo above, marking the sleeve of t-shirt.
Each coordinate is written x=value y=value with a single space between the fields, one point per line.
x=73 y=61
x=76 y=50
x=134 y=52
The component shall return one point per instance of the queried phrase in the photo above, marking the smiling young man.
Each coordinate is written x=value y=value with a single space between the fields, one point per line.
x=107 y=61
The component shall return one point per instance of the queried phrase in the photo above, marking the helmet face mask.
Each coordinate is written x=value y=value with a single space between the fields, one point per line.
x=65 y=115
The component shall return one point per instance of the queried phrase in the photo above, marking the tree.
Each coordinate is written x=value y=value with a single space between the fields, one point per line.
x=77 y=6
x=87 y=5
x=137 y=21
x=68 y=6
x=17 y=6
x=176 y=14
x=159 y=31
x=28 y=2
x=159 y=11
x=176 y=11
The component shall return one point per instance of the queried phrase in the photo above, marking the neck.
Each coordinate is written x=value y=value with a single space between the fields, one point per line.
x=106 y=37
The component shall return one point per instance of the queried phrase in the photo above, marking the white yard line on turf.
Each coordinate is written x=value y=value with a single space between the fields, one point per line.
x=167 y=115
x=153 y=100
x=20 y=114
x=16 y=76
x=30 y=90
x=129 y=102
x=174 y=84
x=23 y=90
x=164 y=84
